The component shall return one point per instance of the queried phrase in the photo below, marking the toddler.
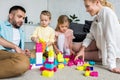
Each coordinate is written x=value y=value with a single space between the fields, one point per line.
x=44 y=31
x=63 y=36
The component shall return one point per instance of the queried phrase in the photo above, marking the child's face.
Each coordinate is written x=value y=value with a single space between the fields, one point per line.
x=44 y=20
x=63 y=27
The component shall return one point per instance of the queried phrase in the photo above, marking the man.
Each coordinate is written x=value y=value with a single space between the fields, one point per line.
x=13 y=61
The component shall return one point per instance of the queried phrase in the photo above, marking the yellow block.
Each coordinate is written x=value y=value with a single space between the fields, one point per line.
x=80 y=68
x=51 y=53
x=41 y=40
x=60 y=57
x=60 y=66
x=47 y=73
x=87 y=73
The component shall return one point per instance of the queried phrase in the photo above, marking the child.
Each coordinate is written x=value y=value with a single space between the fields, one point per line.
x=44 y=31
x=104 y=30
x=64 y=36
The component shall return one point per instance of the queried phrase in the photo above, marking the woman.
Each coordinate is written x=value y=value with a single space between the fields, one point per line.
x=105 y=31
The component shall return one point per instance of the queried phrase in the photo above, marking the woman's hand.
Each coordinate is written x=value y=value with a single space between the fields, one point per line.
x=81 y=53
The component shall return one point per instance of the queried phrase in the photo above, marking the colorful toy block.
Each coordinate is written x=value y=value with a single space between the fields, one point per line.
x=87 y=73
x=94 y=74
x=61 y=66
x=39 y=54
x=80 y=68
x=60 y=57
x=91 y=62
x=47 y=73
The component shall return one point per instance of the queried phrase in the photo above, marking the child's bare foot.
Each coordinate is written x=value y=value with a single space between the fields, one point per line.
x=116 y=70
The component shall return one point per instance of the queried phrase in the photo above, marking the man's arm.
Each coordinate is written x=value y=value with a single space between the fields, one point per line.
x=8 y=44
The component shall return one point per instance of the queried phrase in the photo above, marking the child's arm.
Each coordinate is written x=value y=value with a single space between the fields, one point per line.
x=49 y=43
x=71 y=48
x=55 y=47
x=35 y=39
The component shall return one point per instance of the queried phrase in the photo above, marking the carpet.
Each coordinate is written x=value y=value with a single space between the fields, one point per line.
x=70 y=73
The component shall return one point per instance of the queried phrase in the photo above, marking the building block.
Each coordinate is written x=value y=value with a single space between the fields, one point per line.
x=60 y=57
x=70 y=63
x=51 y=56
x=47 y=73
x=32 y=60
x=39 y=54
x=49 y=66
x=80 y=68
x=78 y=62
x=94 y=74
x=60 y=66
x=91 y=62
x=55 y=62
x=87 y=73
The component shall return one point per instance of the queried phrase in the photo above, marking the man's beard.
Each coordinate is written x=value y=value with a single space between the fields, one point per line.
x=16 y=26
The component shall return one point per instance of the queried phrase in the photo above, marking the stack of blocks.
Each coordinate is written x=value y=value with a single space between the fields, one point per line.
x=88 y=67
x=49 y=68
x=38 y=61
x=40 y=49
x=60 y=60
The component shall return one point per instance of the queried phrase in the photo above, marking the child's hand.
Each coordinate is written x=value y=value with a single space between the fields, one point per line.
x=35 y=39
x=27 y=52
x=72 y=52
x=48 y=44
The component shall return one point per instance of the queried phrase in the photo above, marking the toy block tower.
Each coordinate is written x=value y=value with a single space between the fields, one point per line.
x=49 y=68
x=38 y=61
x=39 y=54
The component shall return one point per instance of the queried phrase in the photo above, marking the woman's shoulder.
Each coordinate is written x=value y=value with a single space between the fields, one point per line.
x=107 y=10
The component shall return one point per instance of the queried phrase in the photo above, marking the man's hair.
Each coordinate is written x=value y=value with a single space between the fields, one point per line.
x=16 y=7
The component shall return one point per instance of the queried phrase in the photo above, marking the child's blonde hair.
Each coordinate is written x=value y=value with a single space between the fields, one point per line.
x=47 y=13
x=61 y=20
x=104 y=3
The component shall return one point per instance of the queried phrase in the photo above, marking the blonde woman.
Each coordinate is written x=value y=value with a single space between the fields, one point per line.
x=105 y=31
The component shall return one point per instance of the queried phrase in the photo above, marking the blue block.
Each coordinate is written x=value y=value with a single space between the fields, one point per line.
x=49 y=66
x=55 y=62
x=91 y=68
x=91 y=62
x=32 y=60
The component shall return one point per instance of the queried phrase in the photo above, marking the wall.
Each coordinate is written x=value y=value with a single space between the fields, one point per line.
x=56 y=7
x=33 y=8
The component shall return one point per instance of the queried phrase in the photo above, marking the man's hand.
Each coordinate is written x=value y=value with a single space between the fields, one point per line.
x=18 y=50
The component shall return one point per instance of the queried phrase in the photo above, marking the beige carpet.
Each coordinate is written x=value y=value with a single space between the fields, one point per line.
x=70 y=73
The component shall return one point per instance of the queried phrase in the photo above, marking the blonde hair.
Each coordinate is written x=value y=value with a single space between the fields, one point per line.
x=47 y=13
x=61 y=20
x=104 y=3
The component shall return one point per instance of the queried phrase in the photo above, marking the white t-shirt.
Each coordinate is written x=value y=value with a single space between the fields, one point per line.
x=16 y=37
